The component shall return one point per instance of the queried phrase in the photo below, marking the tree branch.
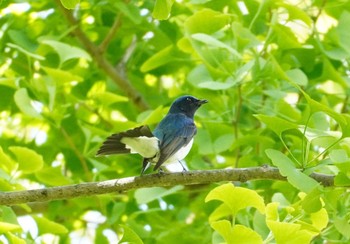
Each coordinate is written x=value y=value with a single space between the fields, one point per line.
x=102 y=62
x=152 y=180
x=104 y=44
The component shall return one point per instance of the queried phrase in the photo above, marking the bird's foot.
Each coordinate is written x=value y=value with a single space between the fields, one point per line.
x=161 y=171
x=183 y=168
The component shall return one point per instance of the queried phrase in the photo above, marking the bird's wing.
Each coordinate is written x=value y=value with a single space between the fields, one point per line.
x=174 y=139
x=138 y=140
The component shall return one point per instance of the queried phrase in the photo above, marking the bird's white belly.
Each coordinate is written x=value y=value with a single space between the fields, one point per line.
x=181 y=154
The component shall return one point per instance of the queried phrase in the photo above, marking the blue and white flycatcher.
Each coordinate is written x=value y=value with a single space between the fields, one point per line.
x=170 y=141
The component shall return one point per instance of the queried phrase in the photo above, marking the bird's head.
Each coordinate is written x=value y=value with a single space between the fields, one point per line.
x=187 y=105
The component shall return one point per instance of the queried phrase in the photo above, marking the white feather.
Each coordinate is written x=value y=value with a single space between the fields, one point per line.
x=181 y=154
x=147 y=147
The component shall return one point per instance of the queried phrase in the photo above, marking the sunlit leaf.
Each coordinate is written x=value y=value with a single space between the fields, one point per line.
x=206 y=21
x=296 y=13
x=236 y=198
x=162 y=57
x=5 y=227
x=285 y=37
x=108 y=98
x=162 y=9
x=237 y=233
x=28 y=160
x=320 y=219
x=47 y=226
x=23 y=102
x=6 y=162
x=284 y=232
x=14 y=239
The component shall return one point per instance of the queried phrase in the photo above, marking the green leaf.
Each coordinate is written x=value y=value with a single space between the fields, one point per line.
x=297 y=76
x=320 y=219
x=294 y=176
x=162 y=9
x=343 y=31
x=28 y=160
x=130 y=11
x=330 y=73
x=8 y=215
x=108 y=98
x=236 y=198
x=244 y=37
x=130 y=236
x=311 y=203
x=162 y=57
x=342 y=225
x=23 y=102
x=6 y=162
x=276 y=124
x=151 y=117
x=296 y=13
x=342 y=179
x=52 y=176
x=14 y=239
x=47 y=226
x=61 y=76
x=27 y=53
x=237 y=233
x=285 y=37
x=338 y=156
x=318 y=107
x=67 y=52
x=212 y=42
x=223 y=143
x=6 y=227
x=214 y=85
x=69 y=4
x=206 y=21
x=286 y=232
x=147 y=195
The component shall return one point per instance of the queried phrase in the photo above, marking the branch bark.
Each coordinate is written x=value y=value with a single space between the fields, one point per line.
x=102 y=62
x=152 y=180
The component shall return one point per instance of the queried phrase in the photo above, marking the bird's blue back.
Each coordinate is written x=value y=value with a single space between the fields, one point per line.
x=175 y=131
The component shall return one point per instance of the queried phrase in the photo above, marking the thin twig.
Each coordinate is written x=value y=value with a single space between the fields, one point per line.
x=152 y=180
x=77 y=153
x=115 y=27
x=102 y=62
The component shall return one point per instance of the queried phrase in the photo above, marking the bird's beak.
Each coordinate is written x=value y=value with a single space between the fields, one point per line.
x=203 y=101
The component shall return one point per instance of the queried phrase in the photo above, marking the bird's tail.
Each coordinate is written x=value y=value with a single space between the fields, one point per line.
x=113 y=144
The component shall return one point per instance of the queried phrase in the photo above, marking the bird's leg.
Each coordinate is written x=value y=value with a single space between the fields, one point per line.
x=145 y=165
x=161 y=171
x=183 y=168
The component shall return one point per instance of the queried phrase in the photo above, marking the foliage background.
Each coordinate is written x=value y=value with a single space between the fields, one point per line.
x=276 y=74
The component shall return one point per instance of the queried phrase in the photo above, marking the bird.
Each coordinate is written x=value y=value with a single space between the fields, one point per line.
x=169 y=142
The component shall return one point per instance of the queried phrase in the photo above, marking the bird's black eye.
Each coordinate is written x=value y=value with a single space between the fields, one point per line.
x=189 y=99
